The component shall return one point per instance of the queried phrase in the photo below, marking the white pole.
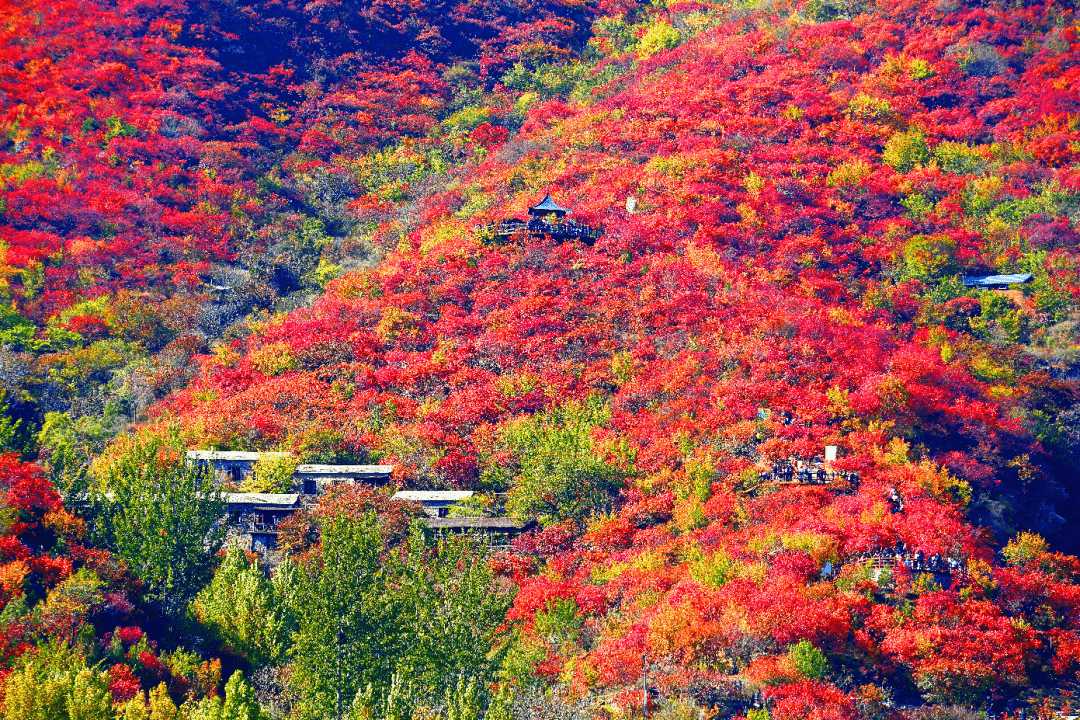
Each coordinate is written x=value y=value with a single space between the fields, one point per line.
x=645 y=682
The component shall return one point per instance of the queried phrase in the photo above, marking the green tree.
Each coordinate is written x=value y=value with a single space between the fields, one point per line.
x=54 y=683
x=346 y=636
x=239 y=703
x=248 y=611
x=561 y=472
x=163 y=516
x=456 y=615
x=10 y=429
x=463 y=700
x=68 y=444
x=1025 y=550
x=387 y=634
x=158 y=706
x=808 y=660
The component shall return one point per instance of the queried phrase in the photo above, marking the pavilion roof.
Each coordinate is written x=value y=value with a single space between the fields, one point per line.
x=547 y=205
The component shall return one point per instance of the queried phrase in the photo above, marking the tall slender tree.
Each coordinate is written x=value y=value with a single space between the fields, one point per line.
x=457 y=613
x=346 y=640
x=163 y=516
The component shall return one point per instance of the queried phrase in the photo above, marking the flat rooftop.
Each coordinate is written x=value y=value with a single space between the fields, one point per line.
x=344 y=469
x=279 y=499
x=433 y=496
x=477 y=523
x=233 y=455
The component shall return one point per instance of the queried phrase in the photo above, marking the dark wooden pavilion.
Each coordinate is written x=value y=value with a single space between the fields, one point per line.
x=545 y=218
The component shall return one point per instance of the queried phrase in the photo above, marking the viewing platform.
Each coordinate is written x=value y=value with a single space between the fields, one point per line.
x=546 y=218
x=881 y=561
x=818 y=471
x=806 y=475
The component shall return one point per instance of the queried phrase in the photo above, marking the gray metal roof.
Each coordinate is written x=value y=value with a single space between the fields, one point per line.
x=547 y=205
x=233 y=455
x=286 y=499
x=994 y=280
x=488 y=523
x=350 y=470
x=425 y=496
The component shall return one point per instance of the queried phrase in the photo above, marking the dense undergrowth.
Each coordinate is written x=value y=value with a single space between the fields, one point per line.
x=790 y=194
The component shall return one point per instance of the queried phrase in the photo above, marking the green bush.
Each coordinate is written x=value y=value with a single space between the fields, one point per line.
x=828 y=10
x=119 y=128
x=999 y=312
x=612 y=34
x=16 y=330
x=868 y=107
x=547 y=80
x=714 y=570
x=918 y=206
x=560 y=622
x=658 y=36
x=958 y=158
x=560 y=473
x=927 y=257
x=808 y=660
x=906 y=151
x=466 y=120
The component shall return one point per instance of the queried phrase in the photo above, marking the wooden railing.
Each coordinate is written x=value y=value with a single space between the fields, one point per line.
x=561 y=229
x=789 y=475
x=916 y=562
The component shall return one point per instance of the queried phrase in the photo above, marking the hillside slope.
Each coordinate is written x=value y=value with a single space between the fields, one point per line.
x=807 y=196
x=166 y=170
x=790 y=195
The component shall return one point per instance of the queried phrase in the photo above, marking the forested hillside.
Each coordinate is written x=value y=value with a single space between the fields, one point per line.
x=271 y=227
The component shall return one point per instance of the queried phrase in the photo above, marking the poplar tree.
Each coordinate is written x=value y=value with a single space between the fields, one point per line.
x=247 y=610
x=164 y=517
x=347 y=621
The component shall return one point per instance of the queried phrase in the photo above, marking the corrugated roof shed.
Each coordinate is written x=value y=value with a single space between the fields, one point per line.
x=997 y=280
